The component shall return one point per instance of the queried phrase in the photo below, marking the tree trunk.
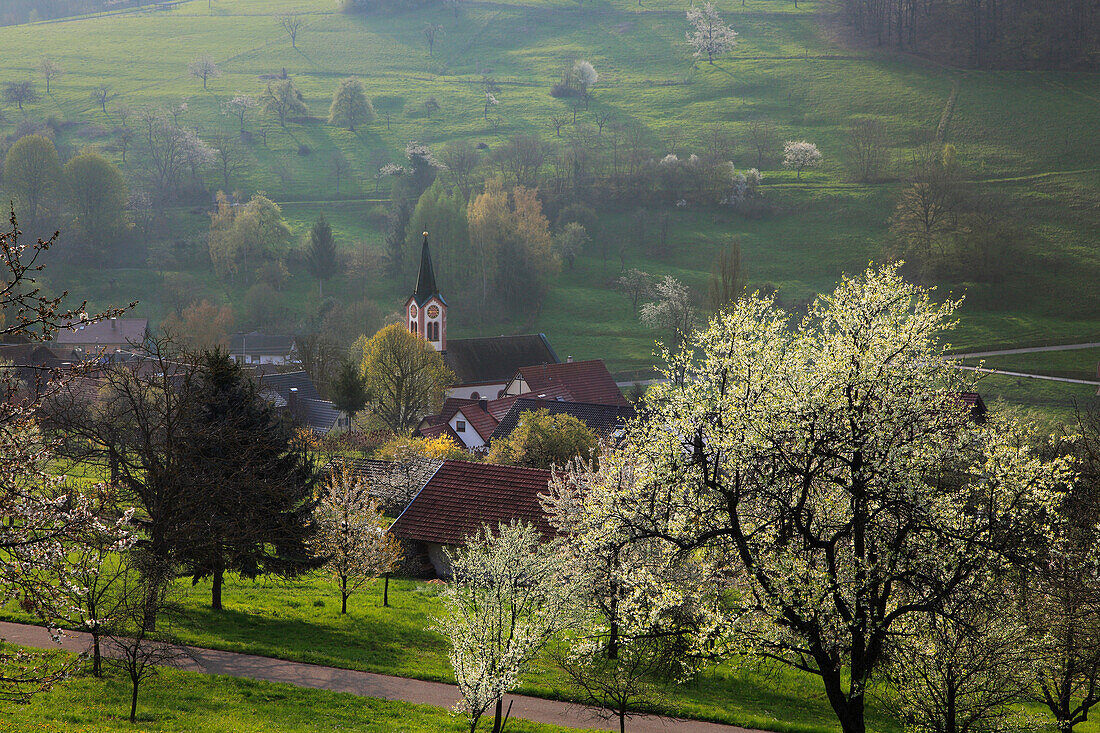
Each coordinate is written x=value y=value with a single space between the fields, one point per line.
x=498 y=714
x=133 y=701
x=343 y=595
x=386 y=592
x=97 y=667
x=216 y=590
x=622 y=720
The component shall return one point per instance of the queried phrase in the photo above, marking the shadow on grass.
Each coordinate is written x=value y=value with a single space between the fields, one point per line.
x=352 y=642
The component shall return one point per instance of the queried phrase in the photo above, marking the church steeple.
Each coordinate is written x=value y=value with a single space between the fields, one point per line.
x=426 y=309
x=425 y=279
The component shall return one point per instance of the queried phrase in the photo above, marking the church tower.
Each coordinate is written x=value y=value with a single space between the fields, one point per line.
x=425 y=310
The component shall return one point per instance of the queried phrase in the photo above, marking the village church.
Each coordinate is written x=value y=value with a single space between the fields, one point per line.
x=483 y=366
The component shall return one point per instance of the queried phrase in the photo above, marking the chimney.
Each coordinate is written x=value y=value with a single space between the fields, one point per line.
x=569 y=359
x=114 y=323
x=292 y=401
x=483 y=404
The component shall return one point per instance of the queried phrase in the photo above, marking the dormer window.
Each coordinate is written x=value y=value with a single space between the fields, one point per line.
x=460 y=426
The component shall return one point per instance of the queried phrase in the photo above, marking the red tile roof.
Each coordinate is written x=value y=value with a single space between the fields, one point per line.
x=434 y=431
x=576 y=381
x=463 y=496
x=480 y=420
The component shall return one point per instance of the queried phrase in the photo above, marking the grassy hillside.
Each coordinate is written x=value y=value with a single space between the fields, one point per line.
x=1026 y=136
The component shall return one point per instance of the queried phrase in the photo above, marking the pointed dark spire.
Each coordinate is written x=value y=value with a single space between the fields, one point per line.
x=425 y=280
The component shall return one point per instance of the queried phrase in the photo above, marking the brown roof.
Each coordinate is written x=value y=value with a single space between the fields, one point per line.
x=107 y=331
x=463 y=496
x=576 y=381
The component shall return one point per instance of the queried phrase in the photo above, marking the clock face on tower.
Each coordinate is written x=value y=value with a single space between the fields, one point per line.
x=412 y=311
x=433 y=311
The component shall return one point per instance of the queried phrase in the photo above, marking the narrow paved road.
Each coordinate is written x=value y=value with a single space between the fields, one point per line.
x=1029 y=350
x=980 y=370
x=976 y=355
x=367 y=684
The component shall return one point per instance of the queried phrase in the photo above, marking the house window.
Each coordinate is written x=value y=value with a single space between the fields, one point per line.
x=433 y=331
x=412 y=326
x=460 y=426
x=475 y=396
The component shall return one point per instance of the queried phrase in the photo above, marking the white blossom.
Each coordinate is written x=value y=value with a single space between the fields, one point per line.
x=351 y=534
x=586 y=74
x=672 y=310
x=711 y=37
x=506 y=600
x=239 y=106
x=800 y=155
x=808 y=470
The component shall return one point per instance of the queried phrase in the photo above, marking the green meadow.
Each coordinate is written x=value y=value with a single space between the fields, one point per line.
x=1023 y=136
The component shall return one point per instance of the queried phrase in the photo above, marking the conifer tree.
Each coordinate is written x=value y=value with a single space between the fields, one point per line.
x=349 y=391
x=253 y=483
x=321 y=258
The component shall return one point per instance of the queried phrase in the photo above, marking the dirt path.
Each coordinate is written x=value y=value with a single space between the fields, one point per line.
x=367 y=684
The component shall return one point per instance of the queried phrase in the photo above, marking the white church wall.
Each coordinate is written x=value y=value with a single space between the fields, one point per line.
x=476 y=391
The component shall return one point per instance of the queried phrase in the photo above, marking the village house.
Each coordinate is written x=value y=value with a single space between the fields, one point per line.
x=460 y=498
x=607 y=422
x=262 y=348
x=295 y=393
x=79 y=340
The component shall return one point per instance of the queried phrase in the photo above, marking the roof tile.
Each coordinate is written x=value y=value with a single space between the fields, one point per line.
x=463 y=496
x=575 y=381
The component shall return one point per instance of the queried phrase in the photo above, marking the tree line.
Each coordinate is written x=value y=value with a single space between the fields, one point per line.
x=23 y=11
x=998 y=34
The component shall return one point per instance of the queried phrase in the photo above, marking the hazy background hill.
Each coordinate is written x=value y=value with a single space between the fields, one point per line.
x=1023 y=140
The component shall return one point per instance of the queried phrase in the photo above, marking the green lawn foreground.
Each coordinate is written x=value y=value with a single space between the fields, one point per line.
x=300 y=621
x=188 y=701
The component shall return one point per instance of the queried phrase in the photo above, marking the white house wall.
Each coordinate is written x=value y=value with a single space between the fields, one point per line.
x=517 y=387
x=469 y=437
x=438 y=555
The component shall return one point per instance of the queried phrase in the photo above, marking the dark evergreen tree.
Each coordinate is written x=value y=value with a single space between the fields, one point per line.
x=321 y=259
x=349 y=390
x=397 y=222
x=254 y=484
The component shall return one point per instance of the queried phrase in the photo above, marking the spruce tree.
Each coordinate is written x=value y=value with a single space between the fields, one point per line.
x=349 y=390
x=321 y=258
x=252 y=501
